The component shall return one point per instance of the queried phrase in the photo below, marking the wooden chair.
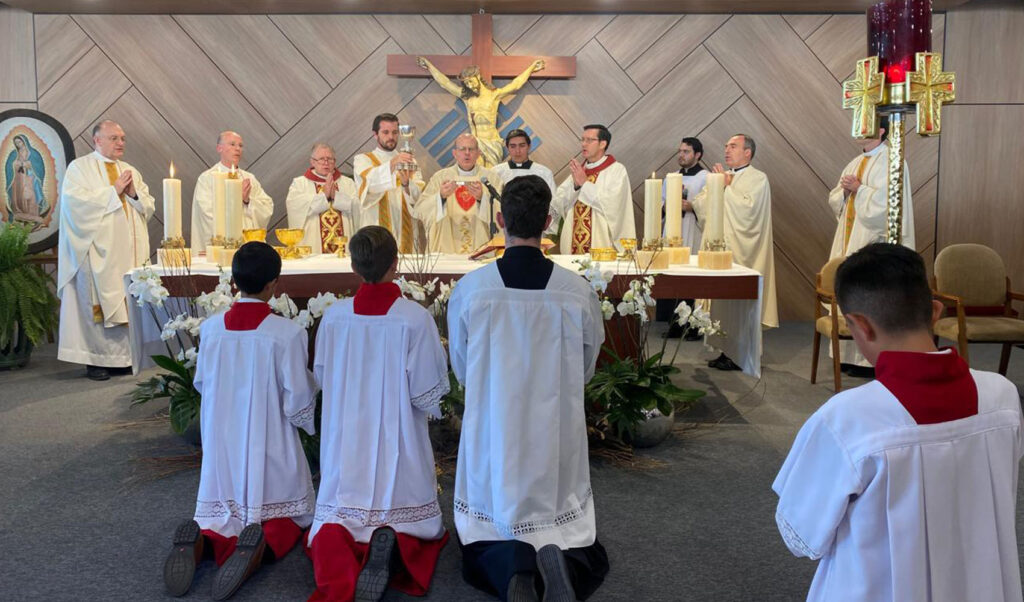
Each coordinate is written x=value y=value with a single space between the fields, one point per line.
x=831 y=325
x=972 y=279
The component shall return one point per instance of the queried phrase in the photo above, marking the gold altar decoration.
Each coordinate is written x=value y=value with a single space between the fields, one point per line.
x=173 y=253
x=290 y=238
x=863 y=94
x=930 y=87
x=603 y=253
x=255 y=234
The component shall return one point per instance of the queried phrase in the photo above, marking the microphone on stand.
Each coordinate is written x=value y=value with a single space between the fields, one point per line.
x=494 y=197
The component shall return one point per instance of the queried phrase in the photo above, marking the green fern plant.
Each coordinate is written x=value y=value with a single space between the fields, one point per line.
x=26 y=301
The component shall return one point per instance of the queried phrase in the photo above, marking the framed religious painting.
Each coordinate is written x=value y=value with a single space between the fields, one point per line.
x=35 y=150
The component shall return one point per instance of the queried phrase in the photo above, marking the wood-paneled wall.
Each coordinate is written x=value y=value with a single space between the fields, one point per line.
x=284 y=81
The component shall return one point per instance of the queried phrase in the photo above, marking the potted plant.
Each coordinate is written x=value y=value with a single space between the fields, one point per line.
x=631 y=398
x=28 y=307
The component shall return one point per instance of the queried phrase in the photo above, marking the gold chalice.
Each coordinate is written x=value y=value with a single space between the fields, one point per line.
x=290 y=237
x=257 y=234
x=342 y=251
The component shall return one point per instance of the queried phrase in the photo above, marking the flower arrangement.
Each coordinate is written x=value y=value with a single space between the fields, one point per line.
x=627 y=390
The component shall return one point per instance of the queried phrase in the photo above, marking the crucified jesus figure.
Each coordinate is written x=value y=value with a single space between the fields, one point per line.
x=482 y=100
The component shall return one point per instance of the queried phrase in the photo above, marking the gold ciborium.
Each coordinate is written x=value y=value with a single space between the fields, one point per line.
x=256 y=234
x=290 y=238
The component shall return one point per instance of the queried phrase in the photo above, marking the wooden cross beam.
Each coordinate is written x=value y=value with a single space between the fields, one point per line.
x=555 y=67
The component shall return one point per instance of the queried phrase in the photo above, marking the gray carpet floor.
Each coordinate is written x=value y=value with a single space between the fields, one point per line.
x=86 y=515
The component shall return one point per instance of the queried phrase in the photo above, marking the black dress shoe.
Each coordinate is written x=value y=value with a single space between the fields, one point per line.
x=376 y=574
x=722 y=362
x=180 y=566
x=122 y=371
x=521 y=589
x=243 y=562
x=555 y=573
x=97 y=373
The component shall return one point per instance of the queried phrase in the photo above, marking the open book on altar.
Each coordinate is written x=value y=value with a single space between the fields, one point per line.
x=497 y=245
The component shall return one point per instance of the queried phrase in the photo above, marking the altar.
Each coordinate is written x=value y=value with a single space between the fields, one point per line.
x=735 y=292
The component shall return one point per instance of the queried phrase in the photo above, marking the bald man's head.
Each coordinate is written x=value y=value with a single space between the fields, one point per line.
x=229 y=147
x=466 y=151
x=108 y=139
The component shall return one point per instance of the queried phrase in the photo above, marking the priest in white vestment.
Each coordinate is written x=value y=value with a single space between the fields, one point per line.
x=104 y=207
x=747 y=227
x=905 y=488
x=383 y=371
x=524 y=336
x=257 y=206
x=860 y=204
x=595 y=202
x=456 y=208
x=320 y=202
x=386 y=193
x=255 y=490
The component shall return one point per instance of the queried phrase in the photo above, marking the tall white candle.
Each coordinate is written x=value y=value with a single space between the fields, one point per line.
x=652 y=208
x=233 y=209
x=674 y=205
x=716 y=207
x=218 y=203
x=172 y=206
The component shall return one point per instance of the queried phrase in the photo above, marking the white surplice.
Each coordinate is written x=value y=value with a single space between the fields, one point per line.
x=524 y=356
x=692 y=185
x=100 y=239
x=611 y=201
x=257 y=393
x=450 y=228
x=381 y=377
x=255 y=214
x=374 y=181
x=747 y=226
x=305 y=204
x=870 y=219
x=900 y=511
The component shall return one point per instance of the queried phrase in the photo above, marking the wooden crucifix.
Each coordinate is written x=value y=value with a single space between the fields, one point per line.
x=555 y=67
x=475 y=72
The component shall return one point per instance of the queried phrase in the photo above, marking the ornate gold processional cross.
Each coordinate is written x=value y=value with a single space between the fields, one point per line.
x=930 y=87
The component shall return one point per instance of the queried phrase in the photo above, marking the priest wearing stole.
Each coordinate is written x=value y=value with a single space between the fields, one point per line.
x=320 y=202
x=524 y=339
x=860 y=203
x=257 y=206
x=455 y=207
x=104 y=207
x=386 y=193
x=747 y=227
x=595 y=201
x=383 y=371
